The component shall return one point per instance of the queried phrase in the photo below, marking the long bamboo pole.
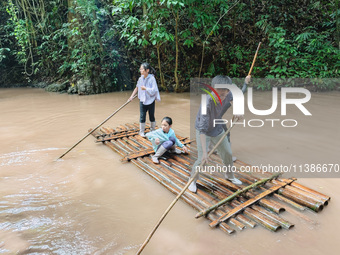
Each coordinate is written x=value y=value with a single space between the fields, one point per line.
x=252 y=65
x=95 y=128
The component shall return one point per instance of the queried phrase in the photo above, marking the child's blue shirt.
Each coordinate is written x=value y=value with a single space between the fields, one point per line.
x=162 y=136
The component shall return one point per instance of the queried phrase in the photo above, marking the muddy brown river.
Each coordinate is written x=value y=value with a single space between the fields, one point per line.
x=91 y=203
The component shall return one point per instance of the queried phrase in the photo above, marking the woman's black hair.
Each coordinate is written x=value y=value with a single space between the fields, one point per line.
x=168 y=120
x=146 y=66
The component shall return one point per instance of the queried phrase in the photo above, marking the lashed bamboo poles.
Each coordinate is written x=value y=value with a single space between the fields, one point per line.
x=282 y=222
x=297 y=197
x=282 y=198
x=277 y=207
x=209 y=196
x=258 y=217
x=264 y=219
x=206 y=211
x=290 y=202
x=192 y=199
x=327 y=198
x=323 y=199
x=298 y=202
x=248 y=203
x=231 y=222
x=297 y=213
x=301 y=200
x=211 y=183
x=265 y=202
x=311 y=203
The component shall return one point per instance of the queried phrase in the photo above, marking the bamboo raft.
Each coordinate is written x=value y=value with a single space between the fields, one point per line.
x=260 y=205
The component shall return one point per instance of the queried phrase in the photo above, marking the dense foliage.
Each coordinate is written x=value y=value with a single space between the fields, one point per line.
x=102 y=42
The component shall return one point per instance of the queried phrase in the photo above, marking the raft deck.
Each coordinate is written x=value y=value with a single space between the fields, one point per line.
x=261 y=205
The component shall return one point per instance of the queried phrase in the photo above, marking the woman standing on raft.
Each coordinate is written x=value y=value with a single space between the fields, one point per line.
x=148 y=93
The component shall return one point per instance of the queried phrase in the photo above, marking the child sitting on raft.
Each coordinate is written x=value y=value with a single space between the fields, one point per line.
x=164 y=139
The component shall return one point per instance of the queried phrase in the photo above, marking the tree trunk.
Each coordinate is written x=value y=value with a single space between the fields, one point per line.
x=145 y=32
x=176 y=64
x=98 y=32
x=71 y=6
x=337 y=24
x=160 y=68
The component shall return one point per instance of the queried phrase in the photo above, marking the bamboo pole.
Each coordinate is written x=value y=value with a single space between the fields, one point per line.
x=323 y=199
x=300 y=186
x=298 y=214
x=260 y=218
x=263 y=220
x=282 y=222
x=310 y=197
x=266 y=203
x=290 y=202
x=95 y=129
x=245 y=220
x=271 y=205
x=307 y=194
x=301 y=200
x=252 y=65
